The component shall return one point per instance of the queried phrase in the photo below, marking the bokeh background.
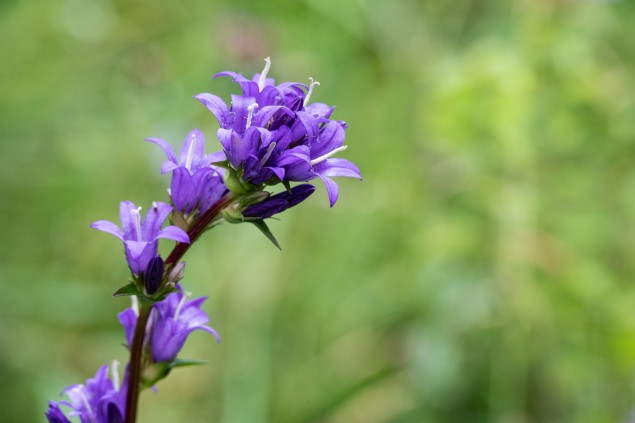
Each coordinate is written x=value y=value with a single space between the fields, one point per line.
x=482 y=272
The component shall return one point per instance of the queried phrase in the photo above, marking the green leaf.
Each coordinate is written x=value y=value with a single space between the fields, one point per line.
x=127 y=290
x=184 y=362
x=262 y=226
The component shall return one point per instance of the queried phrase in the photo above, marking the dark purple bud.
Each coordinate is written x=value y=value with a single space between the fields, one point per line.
x=299 y=194
x=113 y=415
x=154 y=275
x=55 y=415
x=266 y=209
x=279 y=202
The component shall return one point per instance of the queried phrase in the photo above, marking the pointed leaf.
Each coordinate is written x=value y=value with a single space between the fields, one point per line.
x=262 y=226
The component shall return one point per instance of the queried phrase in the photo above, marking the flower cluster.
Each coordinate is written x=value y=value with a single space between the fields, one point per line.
x=270 y=135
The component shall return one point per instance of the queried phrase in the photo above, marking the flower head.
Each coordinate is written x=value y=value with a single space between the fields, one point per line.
x=141 y=236
x=100 y=400
x=271 y=134
x=196 y=184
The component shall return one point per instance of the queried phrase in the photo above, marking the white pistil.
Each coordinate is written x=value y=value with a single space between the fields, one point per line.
x=327 y=155
x=308 y=94
x=250 y=113
x=80 y=390
x=134 y=304
x=114 y=370
x=186 y=296
x=270 y=149
x=190 y=154
x=263 y=74
x=136 y=215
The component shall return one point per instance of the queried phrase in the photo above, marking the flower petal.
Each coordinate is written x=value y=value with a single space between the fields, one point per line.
x=127 y=220
x=154 y=219
x=331 y=188
x=337 y=167
x=108 y=227
x=167 y=148
x=174 y=233
x=217 y=106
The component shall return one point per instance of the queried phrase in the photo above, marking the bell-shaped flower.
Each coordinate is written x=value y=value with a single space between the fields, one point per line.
x=196 y=184
x=171 y=322
x=141 y=236
x=100 y=400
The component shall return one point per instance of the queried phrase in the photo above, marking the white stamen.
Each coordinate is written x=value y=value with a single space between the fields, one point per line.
x=308 y=95
x=114 y=369
x=155 y=206
x=190 y=153
x=186 y=296
x=136 y=215
x=134 y=304
x=270 y=149
x=327 y=155
x=250 y=113
x=263 y=74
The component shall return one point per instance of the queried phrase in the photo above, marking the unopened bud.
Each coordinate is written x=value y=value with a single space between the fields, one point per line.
x=176 y=274
x=154 y=275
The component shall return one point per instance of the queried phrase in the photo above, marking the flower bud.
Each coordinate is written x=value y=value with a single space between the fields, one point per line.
x=154 y=275
x=176 y=274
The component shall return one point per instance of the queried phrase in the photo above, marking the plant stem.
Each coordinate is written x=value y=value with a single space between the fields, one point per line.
x=136 y=349
x=134 y=369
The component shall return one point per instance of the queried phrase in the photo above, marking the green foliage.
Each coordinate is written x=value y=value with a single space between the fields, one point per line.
x=482 y=272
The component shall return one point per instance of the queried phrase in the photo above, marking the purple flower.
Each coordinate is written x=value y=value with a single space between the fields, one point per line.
x=196 y=185
x=100 y=400
x=279 y=202
x=272 y=134
x=140 y=237
x=171 y=322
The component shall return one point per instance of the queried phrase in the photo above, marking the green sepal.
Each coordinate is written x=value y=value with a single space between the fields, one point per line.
x=133 y=289
x=224 y=164
x=158 y=371
x=262 y=226
x=127 y=290
x=287 y=185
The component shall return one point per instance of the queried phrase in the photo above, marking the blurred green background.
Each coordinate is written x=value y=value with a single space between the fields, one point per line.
x=482 y=272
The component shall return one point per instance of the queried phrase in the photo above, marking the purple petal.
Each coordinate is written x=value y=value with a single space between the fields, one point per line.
x=217 y=106
x=109 y=227
x=154 y=219
x=337 y=167
x=330 y=138
x=240 y=112
x=174 y=233
x=136 y=248
x=182 y=190
x=128 y=319
x=212 y=331
x=310 y=125
x=167 y=148
x=168 y=166
x=237 y=77
x=127 y=221
x=331 y=188
x=216 y=157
